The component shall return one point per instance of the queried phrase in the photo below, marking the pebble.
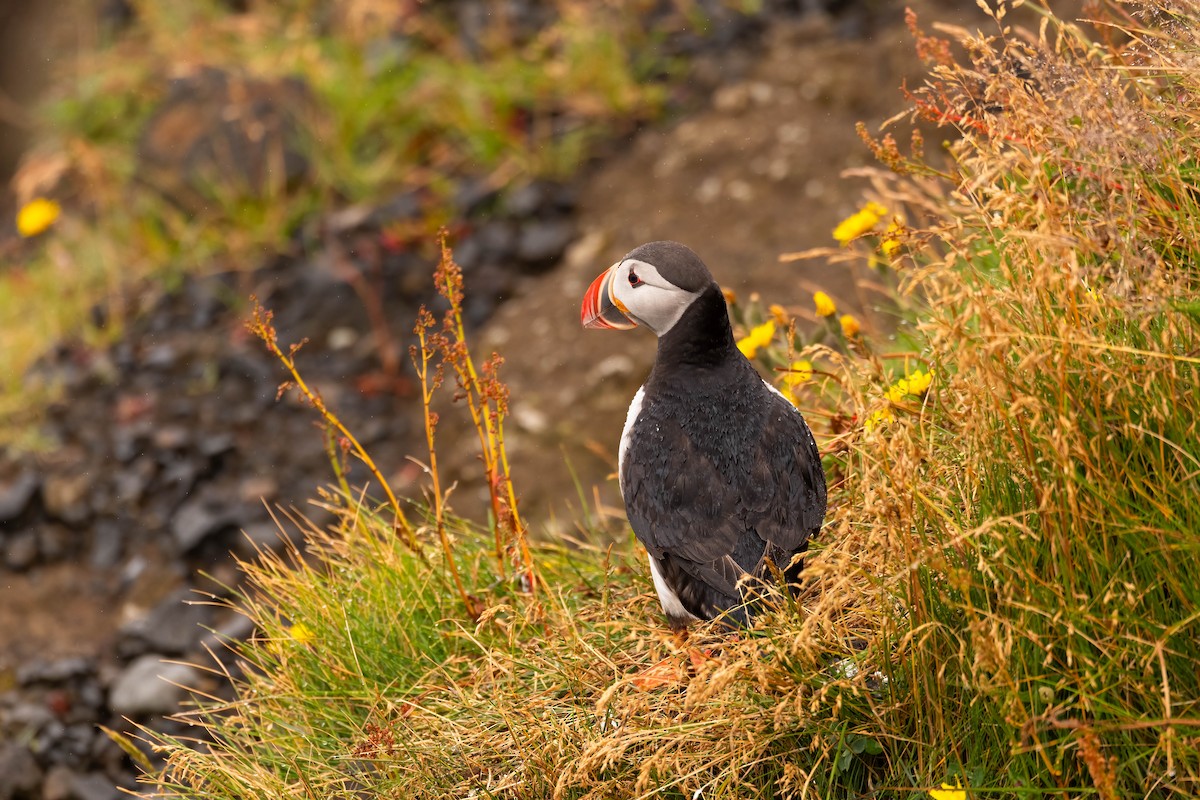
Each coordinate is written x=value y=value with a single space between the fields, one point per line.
x=16 y=495
x=172 y=627
x=21 y=550
x=19 y=772
x=195 y=521
x=149 y=686
x=542 y=242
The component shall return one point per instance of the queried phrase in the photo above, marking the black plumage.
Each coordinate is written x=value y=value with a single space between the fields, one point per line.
x=720 y=474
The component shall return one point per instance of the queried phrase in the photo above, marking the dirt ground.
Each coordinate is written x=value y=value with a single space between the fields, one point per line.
x=756 y=172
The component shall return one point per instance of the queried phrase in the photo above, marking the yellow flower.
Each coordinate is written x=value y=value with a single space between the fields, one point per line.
x=850 y=325
x=301 y=633
x=825 y=305
x=36 y=216
x=878 y=419
x=730 y=296
x=948 y=792
x=799 y=372
x=779 y=314
x=759 y=336
x=915 y=384
x=891 y=238
x=859 y=223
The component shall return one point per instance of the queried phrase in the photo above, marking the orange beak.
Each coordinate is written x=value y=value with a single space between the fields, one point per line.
x=600 y=308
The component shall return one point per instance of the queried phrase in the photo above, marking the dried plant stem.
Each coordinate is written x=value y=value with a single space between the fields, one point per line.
x=422 y=356
x=260 y=325
x=487 y=401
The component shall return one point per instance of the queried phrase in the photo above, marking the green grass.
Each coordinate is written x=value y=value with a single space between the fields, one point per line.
x=1004 y=595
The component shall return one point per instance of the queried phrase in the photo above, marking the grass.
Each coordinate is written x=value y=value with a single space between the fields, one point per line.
x=1002 y=602
x=396 y=102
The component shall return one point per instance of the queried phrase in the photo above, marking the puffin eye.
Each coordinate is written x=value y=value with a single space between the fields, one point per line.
x=634 y=280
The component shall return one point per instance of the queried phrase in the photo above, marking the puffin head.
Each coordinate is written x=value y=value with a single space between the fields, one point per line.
x=652 y=286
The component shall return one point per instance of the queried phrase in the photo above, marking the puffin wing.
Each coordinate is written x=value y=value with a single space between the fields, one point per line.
x=785 y=497
x=686 y=502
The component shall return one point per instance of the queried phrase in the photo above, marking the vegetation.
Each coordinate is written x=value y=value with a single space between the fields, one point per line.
x=1003 y=602
x=379 y=98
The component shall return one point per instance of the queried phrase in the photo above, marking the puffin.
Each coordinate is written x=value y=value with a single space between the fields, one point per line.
x=720 y=474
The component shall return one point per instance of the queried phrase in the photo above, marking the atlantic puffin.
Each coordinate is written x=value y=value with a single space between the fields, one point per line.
x=720 y=474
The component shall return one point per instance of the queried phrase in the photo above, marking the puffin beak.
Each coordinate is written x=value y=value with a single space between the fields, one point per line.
x=600 y=308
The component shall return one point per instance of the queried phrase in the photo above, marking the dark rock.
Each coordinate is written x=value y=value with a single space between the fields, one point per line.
x=21 y=550
x=172 y=627
x=542 y=243
x=28 y=718
x=107 y=544
x=399 y=207
x=19 y=773
x=497 y=238
x=17 y=494
x=195 y=521
x=217 y=444
x=130 y=483
x=72 y=744
x=64 y=783
x=54 y=541
x=527 y=200
x=474 y=195
x=150 y=686
x=56 y=672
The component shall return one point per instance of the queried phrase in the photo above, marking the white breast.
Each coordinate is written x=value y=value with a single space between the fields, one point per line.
x=635 y=408
x=670 y=601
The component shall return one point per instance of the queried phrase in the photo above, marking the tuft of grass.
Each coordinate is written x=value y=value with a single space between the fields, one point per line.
x=1003 y=600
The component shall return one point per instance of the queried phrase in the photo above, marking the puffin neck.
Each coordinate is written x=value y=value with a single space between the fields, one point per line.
x=702 y=336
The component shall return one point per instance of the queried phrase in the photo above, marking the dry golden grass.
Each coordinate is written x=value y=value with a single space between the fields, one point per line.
x=1004 y=600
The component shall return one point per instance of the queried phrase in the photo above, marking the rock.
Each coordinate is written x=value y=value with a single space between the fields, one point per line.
x=195 y=521
x=130 y=483
x=107 y=544
x=148 y=686
x=542 y=242
x=66 y=496
x=16 y=495
x=21 y=550
x=171 y=627
x=19 y=772
x=54 y=541
x=64 y=783
x=55 y=672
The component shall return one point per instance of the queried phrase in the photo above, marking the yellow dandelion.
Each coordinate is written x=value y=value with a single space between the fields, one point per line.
x=915 y=384
x=780 y=315
x=36 y=216
x=850 y=325
x=301 y=633
x=799 y=372
x=759 y=336
x=891 y=238
x=948 y=792
x=825 y=305
x=878 y=419
x=858 y=223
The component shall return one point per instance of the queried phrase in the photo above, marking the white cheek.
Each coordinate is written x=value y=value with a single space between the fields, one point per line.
x=656 y=308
